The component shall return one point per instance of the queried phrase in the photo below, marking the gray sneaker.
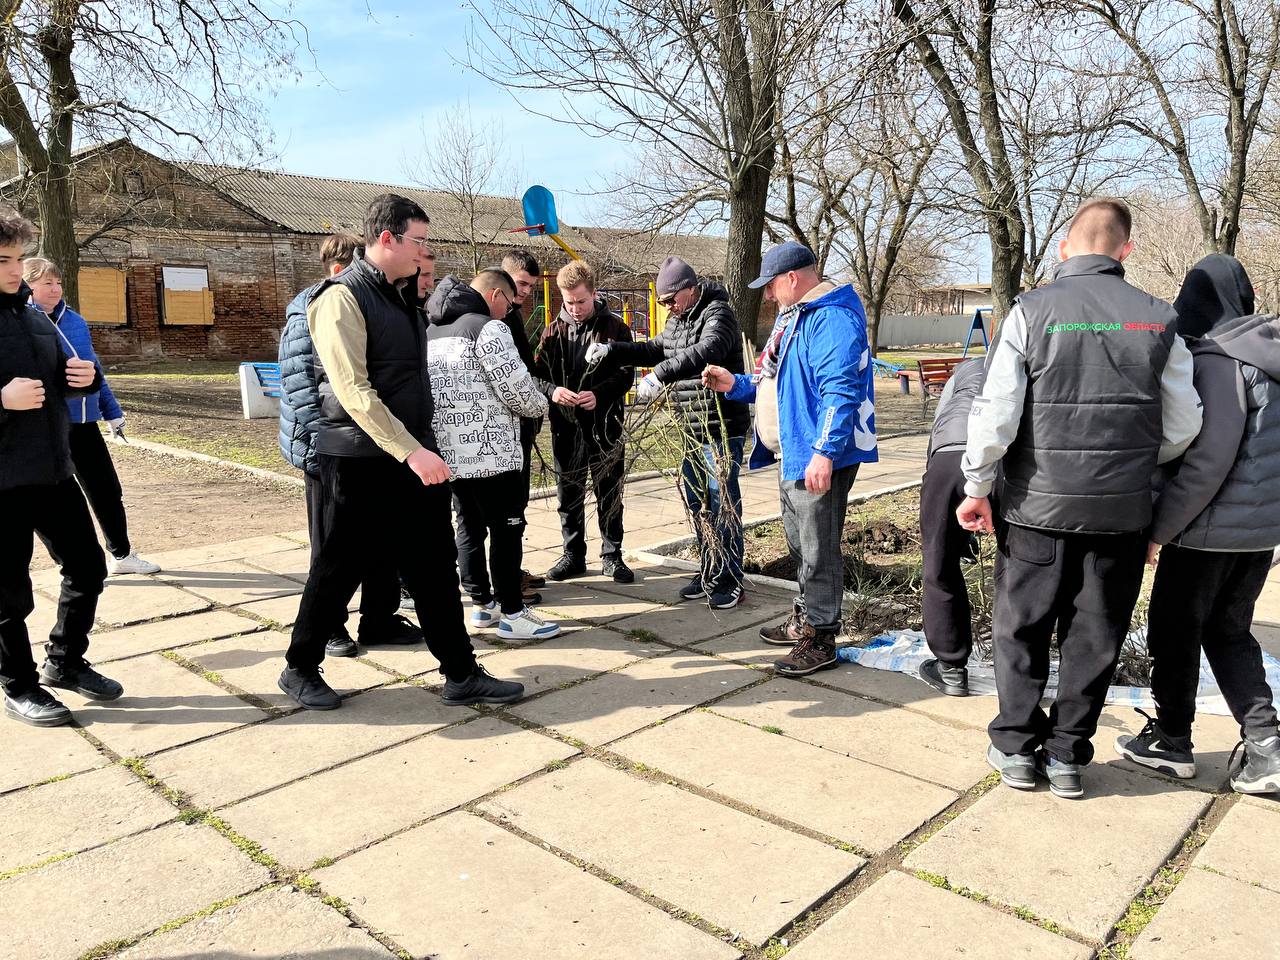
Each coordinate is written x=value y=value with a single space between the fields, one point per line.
x=1261 y=770
x=37 y=707
x=1063 y=777
x=1017 y=770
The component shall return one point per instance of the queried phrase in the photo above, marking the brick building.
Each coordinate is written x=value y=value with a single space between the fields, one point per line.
x=198 y=261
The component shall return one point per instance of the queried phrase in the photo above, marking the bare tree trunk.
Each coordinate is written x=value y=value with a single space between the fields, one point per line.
x=56 y=201
x=746 y=228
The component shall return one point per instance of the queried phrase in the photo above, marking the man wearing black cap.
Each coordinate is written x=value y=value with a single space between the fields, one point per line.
x=702 y=330
x=815 y=408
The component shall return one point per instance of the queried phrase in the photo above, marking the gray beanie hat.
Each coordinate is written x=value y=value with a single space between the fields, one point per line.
x=674 y=275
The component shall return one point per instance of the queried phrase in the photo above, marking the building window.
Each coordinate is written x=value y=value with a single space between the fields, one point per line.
x=102 y=297
x=184 y=297
x=133 y=184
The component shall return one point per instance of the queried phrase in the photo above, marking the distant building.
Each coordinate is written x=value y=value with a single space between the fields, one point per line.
x=199 y=261
x=951 y=300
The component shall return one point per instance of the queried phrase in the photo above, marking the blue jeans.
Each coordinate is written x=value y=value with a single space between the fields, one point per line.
x=714 y=500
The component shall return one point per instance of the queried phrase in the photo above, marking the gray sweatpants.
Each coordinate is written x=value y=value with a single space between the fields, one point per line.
x=815 y=528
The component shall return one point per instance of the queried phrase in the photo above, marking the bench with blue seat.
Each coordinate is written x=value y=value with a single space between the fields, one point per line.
x=260 y=390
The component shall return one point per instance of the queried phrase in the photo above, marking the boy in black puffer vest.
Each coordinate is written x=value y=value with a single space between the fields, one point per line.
x=40 y=497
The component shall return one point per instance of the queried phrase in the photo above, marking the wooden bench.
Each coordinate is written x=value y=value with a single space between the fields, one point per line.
x=934 y=375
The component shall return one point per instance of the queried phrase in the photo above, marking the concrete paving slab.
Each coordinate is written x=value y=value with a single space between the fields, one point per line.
x=339 y=810
x=244 y=762
x=567 y=658
x=843 y=798
x=573 y=601
x=163 y=705
x=622 y=702
x=901 y=916
x=691 y=623
x=745 y=646
x=413 y=660
x=253 y=662
x=231 y=582
x=900 y=740
x=911 y=692
x=294 y=564
x=282 y=924
x=657 y=584
x=167 y=634
x=741 y=873
x=1246 y=846
x=1211 y=916
x=135 y=599
x=218 y=552
x=71 y=815
x=493 y=894
x=42 y=619
x=280 y=610
x=34 y=754
x=120 y=890
x=1076 y=862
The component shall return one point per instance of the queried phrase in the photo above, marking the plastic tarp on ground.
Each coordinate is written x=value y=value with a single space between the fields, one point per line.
x=902 y=651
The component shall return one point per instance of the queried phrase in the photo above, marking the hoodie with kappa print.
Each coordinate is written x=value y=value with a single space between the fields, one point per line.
x=480 y=386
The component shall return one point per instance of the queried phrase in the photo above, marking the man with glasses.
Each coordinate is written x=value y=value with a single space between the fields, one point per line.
x=385 y=484
x=481 y=390
x=702 y=331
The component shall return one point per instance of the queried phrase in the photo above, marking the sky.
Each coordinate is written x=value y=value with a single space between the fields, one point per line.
x=385 y=69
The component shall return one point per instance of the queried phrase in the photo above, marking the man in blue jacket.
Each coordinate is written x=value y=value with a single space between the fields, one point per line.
x=299 y=418
x=815 y=407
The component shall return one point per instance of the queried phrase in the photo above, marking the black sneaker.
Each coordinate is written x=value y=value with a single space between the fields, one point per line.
x=307 y=688
x=693 y=590
x=341 y=645
x=481 y=687
x=406 y=599
x=953 y=681
x=85 y=681
x=1017 y=770
x=614 y=567
x=1063 y=777
x=1261 y=770
x=37 y=707
x=398 y=631
x=567 y=567
x=1154 y=748
x=725 y=599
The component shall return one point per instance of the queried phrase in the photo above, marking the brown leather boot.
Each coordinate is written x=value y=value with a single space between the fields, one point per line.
x=815 y=651
x=787 y=633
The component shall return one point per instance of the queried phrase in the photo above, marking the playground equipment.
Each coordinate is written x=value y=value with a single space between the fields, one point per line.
x=540 y=217
x=977 y=326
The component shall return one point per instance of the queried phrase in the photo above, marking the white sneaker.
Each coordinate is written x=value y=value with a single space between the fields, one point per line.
x=486 y=615
x=131 y=564
x=527 y=625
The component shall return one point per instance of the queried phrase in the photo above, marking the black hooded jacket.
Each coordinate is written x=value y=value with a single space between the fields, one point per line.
x=562 y=362
x=34 y=446
x=1216 y=289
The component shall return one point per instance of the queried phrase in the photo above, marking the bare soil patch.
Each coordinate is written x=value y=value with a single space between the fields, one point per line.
x=175 y=503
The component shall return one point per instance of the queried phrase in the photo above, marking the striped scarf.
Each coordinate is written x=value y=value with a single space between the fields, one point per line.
x=769 y=361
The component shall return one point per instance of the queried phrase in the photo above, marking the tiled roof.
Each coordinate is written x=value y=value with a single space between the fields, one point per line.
x=323 y=205
x=643 y=252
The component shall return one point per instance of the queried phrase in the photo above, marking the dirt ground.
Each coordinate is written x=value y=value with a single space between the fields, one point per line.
x=199 y=409
x=175 y=503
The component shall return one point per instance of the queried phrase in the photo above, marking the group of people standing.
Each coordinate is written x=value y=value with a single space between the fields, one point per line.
x=1107 y=427
x=412 y=407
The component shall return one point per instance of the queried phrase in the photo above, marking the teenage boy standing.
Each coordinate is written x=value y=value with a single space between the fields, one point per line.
x=40 y=497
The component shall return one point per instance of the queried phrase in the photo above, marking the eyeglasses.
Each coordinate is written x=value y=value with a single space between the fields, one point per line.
x=667 y=302
x=420 y=241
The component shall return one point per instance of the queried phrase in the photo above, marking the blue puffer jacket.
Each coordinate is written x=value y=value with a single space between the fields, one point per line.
x=300 y=393
x=826 y=400
x=76 y=341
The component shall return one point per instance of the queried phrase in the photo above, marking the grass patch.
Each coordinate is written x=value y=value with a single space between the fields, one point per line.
x=268 y=458
x=774 y=950
x=769 y=728
x=19 y=871
x=643 y=635
x=556 y=765
x=323 y=862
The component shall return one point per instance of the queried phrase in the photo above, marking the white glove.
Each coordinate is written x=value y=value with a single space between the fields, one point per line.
x=116 y=427
x=649 y=388
x=596 y=352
